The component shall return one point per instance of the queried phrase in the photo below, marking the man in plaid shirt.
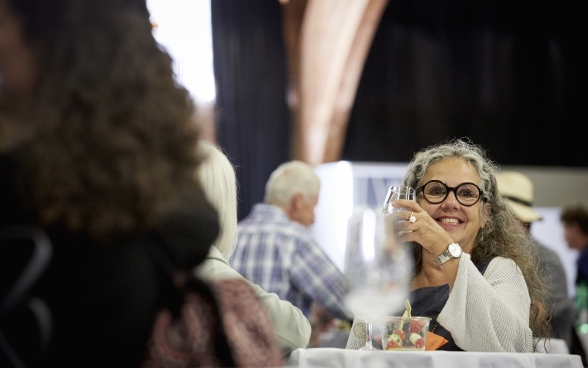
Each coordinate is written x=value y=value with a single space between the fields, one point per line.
x=276 y=251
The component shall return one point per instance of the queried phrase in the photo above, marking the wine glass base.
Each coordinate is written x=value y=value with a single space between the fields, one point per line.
x=365 y=348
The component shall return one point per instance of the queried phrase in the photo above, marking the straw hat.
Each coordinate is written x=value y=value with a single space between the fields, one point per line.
x=518 y=188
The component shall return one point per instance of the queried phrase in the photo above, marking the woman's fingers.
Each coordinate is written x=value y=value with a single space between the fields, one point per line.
x=399 y=222
x=406 y=204
x=413 y=224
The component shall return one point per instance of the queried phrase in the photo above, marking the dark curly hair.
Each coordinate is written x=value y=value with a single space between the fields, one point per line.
x=503 y=235
x=108 y=138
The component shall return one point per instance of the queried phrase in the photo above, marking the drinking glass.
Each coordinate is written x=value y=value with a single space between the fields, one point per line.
x=397 y=192
x=377 y=269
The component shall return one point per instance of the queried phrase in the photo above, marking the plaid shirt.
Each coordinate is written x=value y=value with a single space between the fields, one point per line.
x=280 y=256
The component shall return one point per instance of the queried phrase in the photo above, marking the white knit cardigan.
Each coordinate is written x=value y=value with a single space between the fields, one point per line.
x=487 y=312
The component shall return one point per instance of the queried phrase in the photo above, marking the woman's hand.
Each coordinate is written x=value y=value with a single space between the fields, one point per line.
x=424 y=230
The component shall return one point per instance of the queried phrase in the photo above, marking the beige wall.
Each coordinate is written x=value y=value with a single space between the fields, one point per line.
x=555 y=186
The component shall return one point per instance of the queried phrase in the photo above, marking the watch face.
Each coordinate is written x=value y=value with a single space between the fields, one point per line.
x=454 y=249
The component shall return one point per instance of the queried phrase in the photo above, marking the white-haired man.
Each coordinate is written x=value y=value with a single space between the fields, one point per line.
x=276 y=251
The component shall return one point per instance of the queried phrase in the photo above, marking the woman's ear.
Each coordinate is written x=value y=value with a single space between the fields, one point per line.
x=486 y=211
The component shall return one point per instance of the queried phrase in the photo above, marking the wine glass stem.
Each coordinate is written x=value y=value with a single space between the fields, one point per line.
x=368 y=327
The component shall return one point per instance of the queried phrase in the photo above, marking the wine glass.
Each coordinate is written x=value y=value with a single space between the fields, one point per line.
x=397 y=192
x=377 y=269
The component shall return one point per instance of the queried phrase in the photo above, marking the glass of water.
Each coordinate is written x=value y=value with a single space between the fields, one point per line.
x=397 y=192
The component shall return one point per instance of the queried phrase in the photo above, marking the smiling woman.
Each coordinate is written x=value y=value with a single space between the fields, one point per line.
x=475 y=265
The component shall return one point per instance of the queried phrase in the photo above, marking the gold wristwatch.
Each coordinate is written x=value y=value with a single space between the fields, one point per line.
x=453 y=251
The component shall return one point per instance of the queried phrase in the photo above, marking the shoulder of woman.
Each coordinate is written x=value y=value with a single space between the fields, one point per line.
x=502 y=265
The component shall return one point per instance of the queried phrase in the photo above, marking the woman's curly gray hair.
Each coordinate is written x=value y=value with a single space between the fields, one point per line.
x=503 y=235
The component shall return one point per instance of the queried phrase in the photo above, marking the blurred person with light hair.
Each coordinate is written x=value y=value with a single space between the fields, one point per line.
x=217 y=175
x=294 y=187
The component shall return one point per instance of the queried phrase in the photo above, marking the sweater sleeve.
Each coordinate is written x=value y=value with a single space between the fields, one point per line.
x=291 y=328
x=489 y=312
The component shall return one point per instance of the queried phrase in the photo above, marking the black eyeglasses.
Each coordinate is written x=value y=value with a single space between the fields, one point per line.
x=435 y=192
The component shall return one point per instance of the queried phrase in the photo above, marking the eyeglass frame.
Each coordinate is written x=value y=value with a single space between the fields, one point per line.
x=450 y=189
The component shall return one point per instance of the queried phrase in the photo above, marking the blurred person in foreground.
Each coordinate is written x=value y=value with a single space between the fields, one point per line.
x=475 y=265
x=276 y=250
x=518 y=190
x=97 y=148
x=291 y=328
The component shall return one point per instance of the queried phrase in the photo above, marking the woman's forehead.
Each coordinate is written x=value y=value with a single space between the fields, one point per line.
x=452 y=171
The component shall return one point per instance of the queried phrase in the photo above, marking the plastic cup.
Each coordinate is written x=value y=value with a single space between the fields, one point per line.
x=404 y=333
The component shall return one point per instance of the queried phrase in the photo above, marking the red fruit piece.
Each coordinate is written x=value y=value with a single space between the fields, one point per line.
x=415 y=327
x=400 y=333
x=419 y=343
x=392 y=345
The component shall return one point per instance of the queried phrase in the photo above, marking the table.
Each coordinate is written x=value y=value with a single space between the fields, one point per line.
x=553 y=346
x=342 y=358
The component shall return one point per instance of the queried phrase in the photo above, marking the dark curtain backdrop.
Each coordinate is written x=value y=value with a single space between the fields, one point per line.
x=252 y=118
x=508 y=77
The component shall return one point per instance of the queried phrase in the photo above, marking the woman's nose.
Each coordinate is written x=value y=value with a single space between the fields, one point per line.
x=451 y=200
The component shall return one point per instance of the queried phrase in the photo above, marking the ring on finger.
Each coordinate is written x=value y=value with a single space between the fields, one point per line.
x=412 y=218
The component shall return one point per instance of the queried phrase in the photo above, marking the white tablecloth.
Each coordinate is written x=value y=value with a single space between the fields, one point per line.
x=553 y=346
x=342 y=358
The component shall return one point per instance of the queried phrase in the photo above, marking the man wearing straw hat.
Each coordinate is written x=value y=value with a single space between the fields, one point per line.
x=518 y=189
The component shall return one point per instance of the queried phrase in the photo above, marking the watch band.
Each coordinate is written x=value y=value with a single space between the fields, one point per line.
x=447 y=255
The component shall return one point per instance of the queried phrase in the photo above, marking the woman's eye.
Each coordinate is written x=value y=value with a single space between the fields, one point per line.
x=466 y=194
x=437 y=191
